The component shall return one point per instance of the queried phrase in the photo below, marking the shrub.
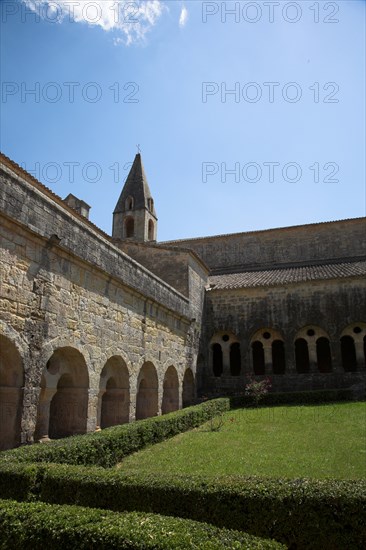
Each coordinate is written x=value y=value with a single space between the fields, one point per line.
x=301 y=513
x=257 y=390
x=109 y=446
x=38 y=526
x=295 y=398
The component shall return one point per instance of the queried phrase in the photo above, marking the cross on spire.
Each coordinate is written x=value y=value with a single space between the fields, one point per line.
x=138 y=148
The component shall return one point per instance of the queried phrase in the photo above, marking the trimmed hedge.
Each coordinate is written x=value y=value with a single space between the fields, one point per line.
x=301 y=513
x=108 y=447
x=295 y=398
x=39 y=526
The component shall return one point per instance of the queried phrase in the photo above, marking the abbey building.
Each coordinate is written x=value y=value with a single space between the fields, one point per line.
x=98 y=329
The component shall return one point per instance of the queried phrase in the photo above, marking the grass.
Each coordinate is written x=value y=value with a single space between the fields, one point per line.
x=289 y=441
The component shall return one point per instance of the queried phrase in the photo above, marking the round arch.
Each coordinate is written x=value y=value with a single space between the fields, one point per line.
x=63 y=401
x=170 y=400
x=189 y=388
x=225 y=354
x=114 y=394
x=147 y=400
x=11 y=393
x=268 y=348
x=353 y=347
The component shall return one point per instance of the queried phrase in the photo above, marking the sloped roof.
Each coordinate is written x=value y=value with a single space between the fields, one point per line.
x=136 y=186
x=275 y=277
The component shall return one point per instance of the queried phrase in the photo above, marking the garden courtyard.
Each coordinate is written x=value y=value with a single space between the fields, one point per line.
x=318 y=441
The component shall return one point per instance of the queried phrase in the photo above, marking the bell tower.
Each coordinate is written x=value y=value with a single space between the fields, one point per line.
x=134 y=217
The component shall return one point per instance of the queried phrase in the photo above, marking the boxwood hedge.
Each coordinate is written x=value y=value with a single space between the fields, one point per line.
x=295 y=398
x=37 y=526
x=301 y=513
x=109 y=446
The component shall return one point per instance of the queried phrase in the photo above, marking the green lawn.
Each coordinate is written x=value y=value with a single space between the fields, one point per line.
x=289 y=441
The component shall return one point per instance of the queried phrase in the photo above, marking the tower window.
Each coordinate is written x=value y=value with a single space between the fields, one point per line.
x=129 y=228
x=150 y=204
x=129 y=203
x=151 y=230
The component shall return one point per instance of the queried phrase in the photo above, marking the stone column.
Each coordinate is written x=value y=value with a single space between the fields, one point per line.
x=313 y=360
x=44 y=414
x=268 y=358
x=99 y=409
x=29 y=414
x=91 y=423
x=225 y=359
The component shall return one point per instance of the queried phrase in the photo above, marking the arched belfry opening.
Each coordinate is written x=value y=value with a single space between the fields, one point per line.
x=134 y=216
x=129 y=228
x=151 y=231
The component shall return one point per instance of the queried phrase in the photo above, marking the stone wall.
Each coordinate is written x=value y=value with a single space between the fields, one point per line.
x=316 y=243
x=286 y=313
x=85 y=322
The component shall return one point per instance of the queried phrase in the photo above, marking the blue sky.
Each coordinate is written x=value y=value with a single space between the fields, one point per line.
x=250 y=115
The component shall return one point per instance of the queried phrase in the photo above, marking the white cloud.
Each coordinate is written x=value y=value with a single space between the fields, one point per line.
x=183 y=17
x=131 y=19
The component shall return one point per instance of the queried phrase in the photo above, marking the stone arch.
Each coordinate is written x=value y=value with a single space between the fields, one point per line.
x=114 y=394
x=318 y=350
x=225 y=356
x=63 y=401
x=268 y=352
x=147 y=403
x=11 y=393
x=189 y=388
x=129 y=227
x=170 y=400
x=353 y=347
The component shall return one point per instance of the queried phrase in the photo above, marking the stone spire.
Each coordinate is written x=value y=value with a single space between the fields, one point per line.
x=134 y=217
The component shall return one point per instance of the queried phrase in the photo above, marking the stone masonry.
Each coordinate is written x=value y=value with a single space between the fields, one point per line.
x=97 y=330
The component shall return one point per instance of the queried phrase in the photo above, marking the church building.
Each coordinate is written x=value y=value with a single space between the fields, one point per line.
x=97 y=329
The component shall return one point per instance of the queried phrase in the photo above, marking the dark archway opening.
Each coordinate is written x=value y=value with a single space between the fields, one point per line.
x=235 y=359
x=348 y=352
x=151 y=230
x=170 y=401
x=130 y=228
x=147 y=395
x=302 y=356
x=217 y=362
x=323 y=354
x=188 y=394
x=278 y=357
x=258 y=358
x=115 y=407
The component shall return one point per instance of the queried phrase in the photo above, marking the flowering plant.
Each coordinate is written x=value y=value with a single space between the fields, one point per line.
x=257 y=389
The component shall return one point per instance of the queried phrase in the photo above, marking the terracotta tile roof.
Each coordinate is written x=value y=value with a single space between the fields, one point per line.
x=258 y=231
x=274 y=277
